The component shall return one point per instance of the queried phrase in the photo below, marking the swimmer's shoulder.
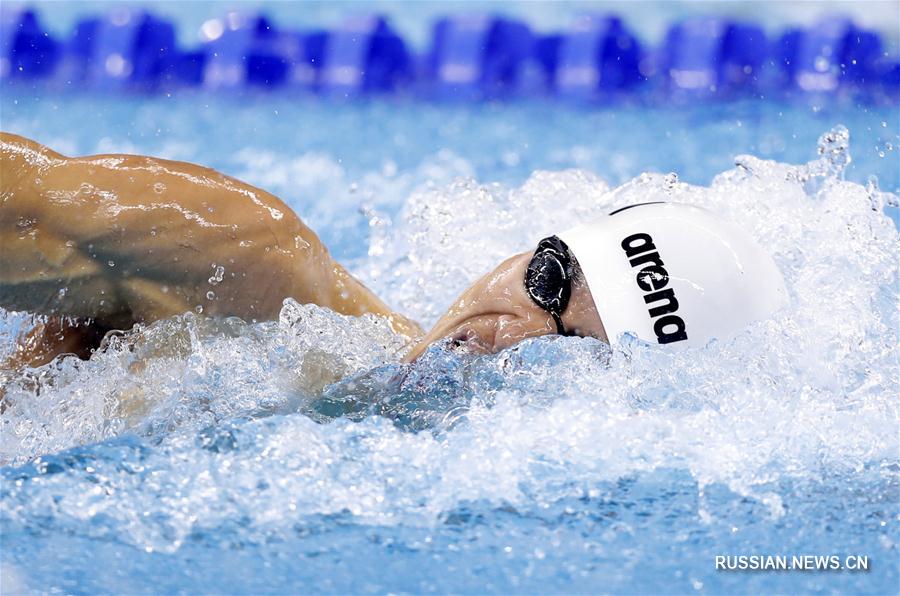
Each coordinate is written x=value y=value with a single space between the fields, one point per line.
x=20 y=156
x=13 y=145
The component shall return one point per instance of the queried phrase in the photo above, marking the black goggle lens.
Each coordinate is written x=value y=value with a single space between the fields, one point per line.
x=548 y=279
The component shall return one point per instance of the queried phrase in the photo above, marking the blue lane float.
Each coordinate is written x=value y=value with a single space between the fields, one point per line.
x=289 y=58
x=471 y=56
x=247 y=50
x=832 y=53
x=710 y=55
x=598 y=56
x=231 y=50
x=124 y=50
x=478 y=55
x=364 y=54
x=26 y=50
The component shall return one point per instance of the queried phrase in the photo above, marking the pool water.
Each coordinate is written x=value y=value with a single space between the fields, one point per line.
x=300 y=455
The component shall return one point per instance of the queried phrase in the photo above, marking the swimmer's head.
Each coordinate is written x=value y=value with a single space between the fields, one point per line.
x=666 y=273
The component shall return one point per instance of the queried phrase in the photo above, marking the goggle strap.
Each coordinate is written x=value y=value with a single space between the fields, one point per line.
x=560 y=328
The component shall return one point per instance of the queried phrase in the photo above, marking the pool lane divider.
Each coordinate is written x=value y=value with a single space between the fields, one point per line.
x=471 y=57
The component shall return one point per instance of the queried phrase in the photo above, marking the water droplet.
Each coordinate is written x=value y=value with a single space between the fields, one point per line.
x=834 y=147
x=199 y=309
x=210 y=295
x=671 y=180
x=217 y=275
x=111 y=263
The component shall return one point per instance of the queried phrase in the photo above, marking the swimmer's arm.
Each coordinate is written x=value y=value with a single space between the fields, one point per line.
x=45 y=341
x=150 y=234
x=49 y=338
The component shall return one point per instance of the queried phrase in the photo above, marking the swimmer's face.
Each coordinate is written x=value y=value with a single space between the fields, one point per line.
x=496 y=312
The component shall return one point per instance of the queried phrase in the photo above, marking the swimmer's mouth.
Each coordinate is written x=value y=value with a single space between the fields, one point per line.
x=475 y=335
x=459 y=342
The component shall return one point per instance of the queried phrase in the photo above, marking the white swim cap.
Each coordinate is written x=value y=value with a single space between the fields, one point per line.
x=671 y=273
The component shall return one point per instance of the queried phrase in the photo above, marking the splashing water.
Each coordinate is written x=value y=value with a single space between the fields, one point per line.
x=190 y=434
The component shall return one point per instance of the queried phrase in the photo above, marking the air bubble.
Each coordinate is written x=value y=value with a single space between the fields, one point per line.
x=883 y=148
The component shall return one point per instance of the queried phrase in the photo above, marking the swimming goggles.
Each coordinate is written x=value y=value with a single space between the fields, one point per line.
x=548 y=279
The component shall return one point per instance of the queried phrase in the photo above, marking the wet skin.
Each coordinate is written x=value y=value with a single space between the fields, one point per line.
x=107 y=241
x=496 y=313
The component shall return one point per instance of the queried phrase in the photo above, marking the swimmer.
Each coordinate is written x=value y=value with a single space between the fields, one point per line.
x=109 y=241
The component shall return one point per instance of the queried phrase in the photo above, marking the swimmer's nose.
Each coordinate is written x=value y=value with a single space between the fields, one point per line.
x=493 y=314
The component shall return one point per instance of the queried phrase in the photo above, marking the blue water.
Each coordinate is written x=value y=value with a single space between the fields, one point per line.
x=299 y=455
